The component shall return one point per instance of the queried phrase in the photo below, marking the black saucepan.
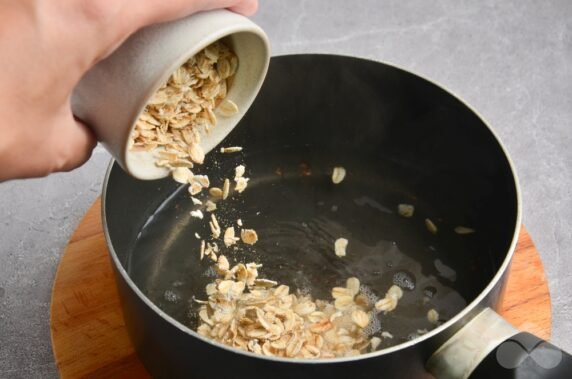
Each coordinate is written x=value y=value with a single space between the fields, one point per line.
x=401 y=139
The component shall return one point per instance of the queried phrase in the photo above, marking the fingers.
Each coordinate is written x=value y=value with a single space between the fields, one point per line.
x=155 y=11
x=247 y=8
x=111 y=22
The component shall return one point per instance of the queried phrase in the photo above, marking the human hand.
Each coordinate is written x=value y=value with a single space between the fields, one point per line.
x=45 y=48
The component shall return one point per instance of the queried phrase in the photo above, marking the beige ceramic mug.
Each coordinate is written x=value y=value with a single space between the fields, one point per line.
x=112 y=95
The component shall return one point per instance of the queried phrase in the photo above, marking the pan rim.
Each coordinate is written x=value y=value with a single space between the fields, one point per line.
x=470 y=307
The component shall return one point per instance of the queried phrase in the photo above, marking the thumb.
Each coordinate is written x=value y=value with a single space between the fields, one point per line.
x=63 y=145
x=78 y=145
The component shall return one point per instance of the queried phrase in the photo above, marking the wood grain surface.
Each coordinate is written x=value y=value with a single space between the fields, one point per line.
x=89 y=338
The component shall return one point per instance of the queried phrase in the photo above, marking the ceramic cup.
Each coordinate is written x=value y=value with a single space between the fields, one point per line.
x=111 y=95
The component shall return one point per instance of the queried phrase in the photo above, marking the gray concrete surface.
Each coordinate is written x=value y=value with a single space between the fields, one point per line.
x=510 y=59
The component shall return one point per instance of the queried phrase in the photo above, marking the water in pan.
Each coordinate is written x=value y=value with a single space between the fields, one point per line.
x=298 y=213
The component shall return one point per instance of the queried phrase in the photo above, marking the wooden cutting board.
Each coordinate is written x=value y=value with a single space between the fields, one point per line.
x=89 y=338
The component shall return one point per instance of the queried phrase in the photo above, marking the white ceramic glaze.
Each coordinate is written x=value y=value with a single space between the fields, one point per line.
x=112 y=94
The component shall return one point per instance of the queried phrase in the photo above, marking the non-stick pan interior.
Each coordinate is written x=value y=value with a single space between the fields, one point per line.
x=401 y=140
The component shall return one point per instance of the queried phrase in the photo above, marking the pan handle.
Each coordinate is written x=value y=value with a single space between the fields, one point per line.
x=489 y=347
